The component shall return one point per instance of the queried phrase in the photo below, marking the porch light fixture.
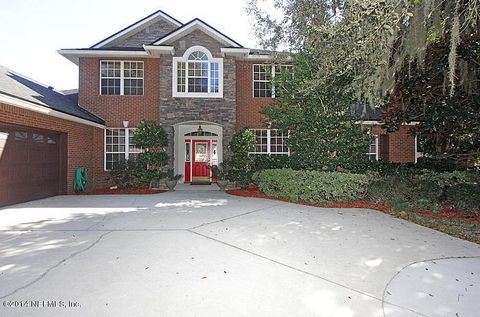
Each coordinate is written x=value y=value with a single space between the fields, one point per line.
x=200 y=130
x=125 y=124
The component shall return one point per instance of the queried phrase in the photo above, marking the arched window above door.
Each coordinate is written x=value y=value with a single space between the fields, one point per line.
x=205 y=133
x=197 y=74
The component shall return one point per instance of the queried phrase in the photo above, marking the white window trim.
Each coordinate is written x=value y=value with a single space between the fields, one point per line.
x=184 y=59
x=417 y=153
x=127 y=145
x=376 y=149
x=273 y=77
x=122 y=77
x=263 y=81
x=269 y=142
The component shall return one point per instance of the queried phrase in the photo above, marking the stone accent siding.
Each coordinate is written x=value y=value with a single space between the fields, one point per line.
x=148 y=34
x=218 y=110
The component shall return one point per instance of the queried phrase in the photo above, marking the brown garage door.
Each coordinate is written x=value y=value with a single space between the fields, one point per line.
x=30 y=164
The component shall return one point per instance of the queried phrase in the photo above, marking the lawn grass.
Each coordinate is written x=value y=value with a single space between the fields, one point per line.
x=467 y=230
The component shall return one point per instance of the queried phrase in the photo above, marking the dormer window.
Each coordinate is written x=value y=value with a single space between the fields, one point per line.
x=197 y=74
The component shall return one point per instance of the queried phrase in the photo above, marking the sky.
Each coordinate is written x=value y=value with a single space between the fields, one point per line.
x=31 y=31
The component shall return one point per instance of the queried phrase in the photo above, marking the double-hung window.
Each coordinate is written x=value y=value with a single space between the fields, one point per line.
x=197 y=74
x=264 y=79
x=121 y=78
x=119 y=146
x=271 y=142
x=372 y=153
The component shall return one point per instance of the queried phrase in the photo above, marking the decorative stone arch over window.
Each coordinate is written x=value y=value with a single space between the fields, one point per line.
x=197 y=74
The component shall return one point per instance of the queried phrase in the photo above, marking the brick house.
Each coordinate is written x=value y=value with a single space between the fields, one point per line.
x=195 y=81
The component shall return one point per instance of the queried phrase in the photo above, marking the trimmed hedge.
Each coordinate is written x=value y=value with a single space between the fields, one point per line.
x=406 y=193
x=312 y=186
x=427 y=190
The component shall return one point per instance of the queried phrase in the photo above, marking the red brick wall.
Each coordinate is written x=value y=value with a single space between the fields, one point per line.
x=84 y=143
x=116 y=109
x=248 y=107
x=401 y=144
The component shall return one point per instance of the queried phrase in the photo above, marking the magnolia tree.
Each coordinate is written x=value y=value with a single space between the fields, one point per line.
x=153 y=139
x=323 y=132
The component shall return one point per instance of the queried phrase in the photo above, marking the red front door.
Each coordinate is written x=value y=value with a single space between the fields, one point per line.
x=201 y=161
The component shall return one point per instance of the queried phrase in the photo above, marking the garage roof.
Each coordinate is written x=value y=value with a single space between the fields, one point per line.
x=18 y=86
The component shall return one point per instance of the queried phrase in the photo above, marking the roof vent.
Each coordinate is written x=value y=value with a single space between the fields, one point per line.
x=50 y=87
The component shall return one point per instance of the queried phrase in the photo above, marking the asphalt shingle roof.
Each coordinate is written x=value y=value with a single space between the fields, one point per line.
x=16 y=85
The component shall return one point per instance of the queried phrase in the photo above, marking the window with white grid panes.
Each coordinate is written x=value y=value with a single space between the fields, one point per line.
x=271 y=142
x=197 y=74
x=262 y=80
x=121 y=78
x=119 y=146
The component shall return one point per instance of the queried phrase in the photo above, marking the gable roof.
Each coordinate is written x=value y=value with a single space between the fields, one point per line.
x=137 y=25
x=16 y=86
x=196 y=24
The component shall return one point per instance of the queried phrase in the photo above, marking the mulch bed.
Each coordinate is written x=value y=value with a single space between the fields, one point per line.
x=473 y=216
x=448 y=213
x=130 y=191
x=253 y=191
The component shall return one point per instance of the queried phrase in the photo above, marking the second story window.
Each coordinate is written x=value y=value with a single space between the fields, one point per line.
x=121 y=78
x=263 y=79
x=197 y=74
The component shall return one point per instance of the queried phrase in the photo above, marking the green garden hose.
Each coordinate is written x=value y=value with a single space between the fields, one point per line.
x=80 y=181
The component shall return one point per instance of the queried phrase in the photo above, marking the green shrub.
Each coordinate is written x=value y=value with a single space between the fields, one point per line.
x=146 y=176
x=243 y=142
x=150 y=135
x=464 y=196
x=124 y=174
x=406 y=193
x=265 y=162
x=312 y=186
x=447 y=179
x=392 y=169
x=239 y=164
x=435 y=164
x=153 y=139
x=153 y=159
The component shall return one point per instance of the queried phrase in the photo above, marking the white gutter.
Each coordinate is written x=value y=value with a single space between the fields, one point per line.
x=240 y=52
x=373 y=122
x=266 y=58
x=158 y=50
x=74 y=55
x=44 y=110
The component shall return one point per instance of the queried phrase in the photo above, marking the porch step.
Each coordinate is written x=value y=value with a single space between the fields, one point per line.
x=200 y=183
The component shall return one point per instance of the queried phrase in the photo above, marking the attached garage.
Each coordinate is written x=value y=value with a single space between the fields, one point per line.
x=44 y=137
x=32 y=164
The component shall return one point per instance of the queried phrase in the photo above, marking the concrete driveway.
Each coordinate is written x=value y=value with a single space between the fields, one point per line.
x=205 y=253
